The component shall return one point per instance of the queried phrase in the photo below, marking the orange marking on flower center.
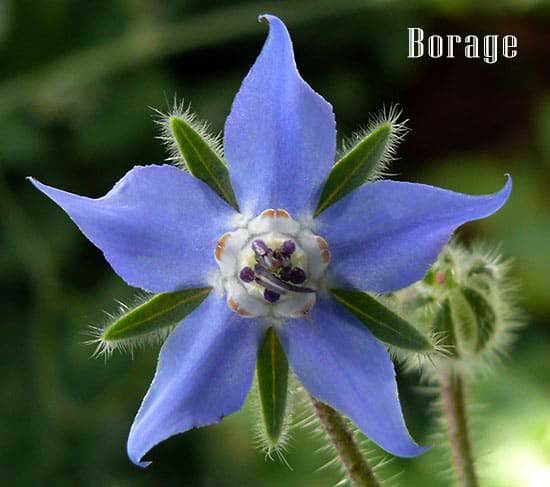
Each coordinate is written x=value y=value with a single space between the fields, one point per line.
x=236 y=307
x=220 y=246
x=322 y=243
x=269 y=213
x=280 y=213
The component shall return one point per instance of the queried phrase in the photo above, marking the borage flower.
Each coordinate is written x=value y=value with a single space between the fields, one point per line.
x=163 y=230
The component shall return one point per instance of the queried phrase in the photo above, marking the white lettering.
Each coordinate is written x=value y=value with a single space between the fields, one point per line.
x=490 y=54
x=435 y=46
x=451 y=45
x=451 y=39
x=509 y=45
x=472 y=47
x=416 y=48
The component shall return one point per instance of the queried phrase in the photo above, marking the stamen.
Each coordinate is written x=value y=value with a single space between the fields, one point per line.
x=285 y=273
x=263 y=275
x=297 y=275
x=268 y=280
x=288 y=247
x=260 y=248
x=247 y=274
x=268 y=274
x=271 y=296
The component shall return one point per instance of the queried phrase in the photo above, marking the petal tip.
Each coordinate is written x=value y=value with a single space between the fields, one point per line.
x=49 y=191
x=508 y=185
x=503 y=194
x=268 y=18
x=37 y=184
x=136 y=457
x=277 y=28
x=414 y=451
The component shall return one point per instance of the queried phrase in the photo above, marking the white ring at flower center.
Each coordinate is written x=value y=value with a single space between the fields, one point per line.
x=233 y=252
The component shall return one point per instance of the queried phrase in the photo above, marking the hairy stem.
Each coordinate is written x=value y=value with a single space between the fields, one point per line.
x=358 y=470
x=452 y=392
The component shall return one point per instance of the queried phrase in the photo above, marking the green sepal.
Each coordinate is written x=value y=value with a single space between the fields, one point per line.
x=474 y=320
x=156 y=314
x=358 y=166
x=201 y=159
x=485 y=317
x=272 y=372
x=384 y=324
x=464 y=321
x=443 y=327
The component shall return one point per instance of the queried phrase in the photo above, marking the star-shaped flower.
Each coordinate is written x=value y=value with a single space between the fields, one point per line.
x=163 y=230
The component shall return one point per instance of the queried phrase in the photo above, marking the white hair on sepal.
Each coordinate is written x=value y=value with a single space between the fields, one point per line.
x=105 y=347
x=179 y=110
x=398 y=130
x=261 y=440
x=413 y=359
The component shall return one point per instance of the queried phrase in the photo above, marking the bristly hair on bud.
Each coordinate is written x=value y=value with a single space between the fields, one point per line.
x=179 y=110
x=398 y=129
x=470 y=301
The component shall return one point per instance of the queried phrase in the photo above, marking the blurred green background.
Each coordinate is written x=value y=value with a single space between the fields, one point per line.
x=77 y=81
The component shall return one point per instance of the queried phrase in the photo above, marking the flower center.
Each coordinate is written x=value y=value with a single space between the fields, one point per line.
x=272 y=266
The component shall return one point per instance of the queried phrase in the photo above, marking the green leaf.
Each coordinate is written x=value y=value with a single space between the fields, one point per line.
x=357 y=166
x=384 y=324
x=154 y=315
x=272 y=371
x=202 y=160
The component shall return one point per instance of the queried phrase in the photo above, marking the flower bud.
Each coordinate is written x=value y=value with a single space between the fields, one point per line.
x=467 y=301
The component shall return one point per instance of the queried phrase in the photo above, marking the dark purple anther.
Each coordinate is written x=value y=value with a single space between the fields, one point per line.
x=260 y=248
x=285 y=273
x=247 y=274
x=288 y=247
x=297 y=275
x=271 y=296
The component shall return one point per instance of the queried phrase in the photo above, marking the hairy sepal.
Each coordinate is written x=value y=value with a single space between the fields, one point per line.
x=272 y=375
x=192 y=147
x=385 y=324
x=365 y=157
x=149 y=321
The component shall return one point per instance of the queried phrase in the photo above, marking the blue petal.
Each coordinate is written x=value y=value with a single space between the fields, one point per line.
x=340 y=363
x=280 y=137
x=204 y=373
x=157 y=227
x=385 y=235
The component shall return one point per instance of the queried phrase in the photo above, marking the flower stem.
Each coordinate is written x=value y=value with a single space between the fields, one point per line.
x=452 y=392
x=358 y=470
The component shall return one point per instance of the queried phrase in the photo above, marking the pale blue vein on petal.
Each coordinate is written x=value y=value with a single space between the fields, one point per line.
x=204 y=373
x=339 y=362
x=157 y=227
x=280 y=136
x=385 y=235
